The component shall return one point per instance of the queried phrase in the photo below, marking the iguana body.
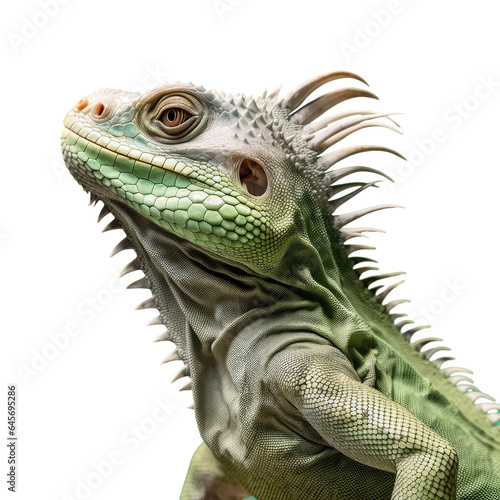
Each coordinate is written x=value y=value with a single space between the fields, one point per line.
x=303 y=384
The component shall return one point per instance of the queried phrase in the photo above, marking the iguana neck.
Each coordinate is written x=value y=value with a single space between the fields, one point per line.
x=200 y=295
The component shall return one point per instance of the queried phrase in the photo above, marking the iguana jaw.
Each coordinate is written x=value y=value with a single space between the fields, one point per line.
x=175 y=173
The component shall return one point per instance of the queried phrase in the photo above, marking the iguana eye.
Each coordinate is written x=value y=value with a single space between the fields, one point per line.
x=177 y=116
x=173 y=117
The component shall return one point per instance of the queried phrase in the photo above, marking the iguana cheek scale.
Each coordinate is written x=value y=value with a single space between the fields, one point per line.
x=305 y=381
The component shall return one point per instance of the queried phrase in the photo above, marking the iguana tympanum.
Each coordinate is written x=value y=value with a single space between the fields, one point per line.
x=306 y=384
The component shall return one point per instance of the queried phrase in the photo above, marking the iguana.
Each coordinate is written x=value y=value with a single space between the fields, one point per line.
x=306 y=383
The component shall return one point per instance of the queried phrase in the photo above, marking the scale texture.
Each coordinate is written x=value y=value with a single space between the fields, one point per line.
x=306 y=384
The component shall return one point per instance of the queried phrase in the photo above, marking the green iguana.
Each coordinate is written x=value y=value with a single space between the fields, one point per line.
x=306 y=384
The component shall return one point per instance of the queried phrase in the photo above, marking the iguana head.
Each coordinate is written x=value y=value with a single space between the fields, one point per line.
x=235 y=175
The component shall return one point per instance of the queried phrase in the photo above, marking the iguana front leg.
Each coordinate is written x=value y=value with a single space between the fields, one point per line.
x=365 y=425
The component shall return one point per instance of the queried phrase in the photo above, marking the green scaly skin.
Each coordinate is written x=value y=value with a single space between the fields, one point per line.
x=303 y=384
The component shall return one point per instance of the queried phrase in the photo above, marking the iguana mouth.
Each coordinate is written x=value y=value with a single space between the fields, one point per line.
x=186 y=170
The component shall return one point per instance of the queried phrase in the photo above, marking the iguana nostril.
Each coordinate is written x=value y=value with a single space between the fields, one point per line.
x=82 y=104
x=100 y=110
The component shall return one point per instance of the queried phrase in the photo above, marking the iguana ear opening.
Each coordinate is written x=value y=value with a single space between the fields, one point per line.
x=253 y=177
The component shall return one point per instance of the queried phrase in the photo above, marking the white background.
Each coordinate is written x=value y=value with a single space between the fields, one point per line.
x=423 y=59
